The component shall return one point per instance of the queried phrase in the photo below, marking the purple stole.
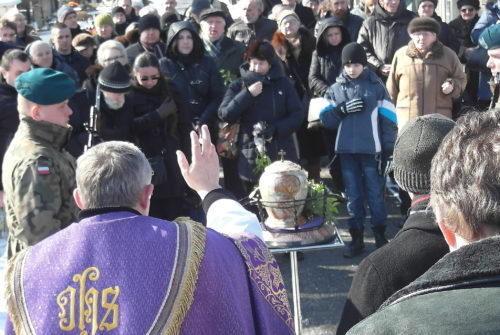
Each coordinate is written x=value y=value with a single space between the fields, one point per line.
x=121 y=273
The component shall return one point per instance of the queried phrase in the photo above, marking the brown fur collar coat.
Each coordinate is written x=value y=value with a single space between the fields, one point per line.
x=436 y=51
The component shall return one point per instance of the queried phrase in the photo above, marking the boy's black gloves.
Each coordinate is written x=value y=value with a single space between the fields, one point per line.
x=352 y=106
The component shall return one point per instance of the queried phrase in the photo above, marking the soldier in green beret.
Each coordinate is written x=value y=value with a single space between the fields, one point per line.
x=490 y=40
x=38 y=174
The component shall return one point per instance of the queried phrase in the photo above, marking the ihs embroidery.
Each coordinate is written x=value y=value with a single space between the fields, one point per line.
x=101 y=314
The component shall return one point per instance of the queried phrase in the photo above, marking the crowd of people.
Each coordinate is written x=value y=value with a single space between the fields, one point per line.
x=156 y=81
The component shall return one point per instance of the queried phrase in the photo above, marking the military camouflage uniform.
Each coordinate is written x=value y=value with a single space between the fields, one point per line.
x=38 y=179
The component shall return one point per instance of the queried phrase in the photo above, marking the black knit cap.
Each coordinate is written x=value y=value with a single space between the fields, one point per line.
x=117 y=9
x=114 y=78
x=353 y=53
x=147 y=22
x=415 y=147
x=262 y=50
x=473 y=3
x=424 y=24
x=418 y=2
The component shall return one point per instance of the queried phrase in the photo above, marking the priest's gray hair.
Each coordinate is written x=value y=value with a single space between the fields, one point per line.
x=112 y=174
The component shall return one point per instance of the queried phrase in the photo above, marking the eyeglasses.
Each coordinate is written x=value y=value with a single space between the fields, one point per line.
x=467 y=10
x=144 y=78
x=113 y=59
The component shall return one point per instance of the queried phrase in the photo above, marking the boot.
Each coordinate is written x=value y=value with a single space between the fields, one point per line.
x=379 y=234
x=357 y=245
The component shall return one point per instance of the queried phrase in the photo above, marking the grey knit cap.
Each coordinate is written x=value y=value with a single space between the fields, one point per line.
x=415 y=147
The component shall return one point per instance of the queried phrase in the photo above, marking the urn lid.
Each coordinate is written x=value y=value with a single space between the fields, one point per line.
x=282 y=166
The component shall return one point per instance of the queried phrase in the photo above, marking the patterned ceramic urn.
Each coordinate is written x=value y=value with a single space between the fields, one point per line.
x=283 y=188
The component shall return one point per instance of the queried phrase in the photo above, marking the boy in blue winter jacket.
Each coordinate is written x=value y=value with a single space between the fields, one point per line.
x=362 y=111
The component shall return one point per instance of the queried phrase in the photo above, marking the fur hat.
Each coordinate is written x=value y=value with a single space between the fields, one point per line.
x=83 y=41
x=147 y=22
x=353 y=53
x=415 y=147
x=114 y=78
x=418 y=2
x=424 y=24
x=473 y=3
x=262 y=50
x=104 y=19
x=63 y=12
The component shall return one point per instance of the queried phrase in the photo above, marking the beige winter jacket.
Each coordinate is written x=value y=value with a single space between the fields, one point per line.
x=414 y=82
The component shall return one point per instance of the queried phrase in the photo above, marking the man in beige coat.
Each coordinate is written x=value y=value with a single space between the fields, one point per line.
x=426 y=75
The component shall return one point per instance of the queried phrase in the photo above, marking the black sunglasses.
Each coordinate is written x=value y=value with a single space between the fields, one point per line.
x=144 y=78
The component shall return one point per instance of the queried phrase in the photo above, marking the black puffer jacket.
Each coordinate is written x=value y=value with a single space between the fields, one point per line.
x=278 y=105
x=196 y=82
x=382 y=34
x=462 y=30
x=156 y=136
x=326 y=62
x=447 y=35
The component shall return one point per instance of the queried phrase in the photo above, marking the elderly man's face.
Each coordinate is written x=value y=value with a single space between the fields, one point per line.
x=251 y=12
x=213 y=27
x=61 y=38
x=16 y=68
x=8 y=35
x=150 y=36
x=423 y=40
x=390 y=6
x=339 y=8
x=494 y=61
x=426 y=9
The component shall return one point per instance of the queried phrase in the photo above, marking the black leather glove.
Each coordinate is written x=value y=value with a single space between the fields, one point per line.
x=167 y=108
x=352 y=106
x=268 y=132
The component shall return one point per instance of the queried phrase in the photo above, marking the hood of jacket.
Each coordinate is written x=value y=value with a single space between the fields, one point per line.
x=321 y=44
x=177 y=27
x=381 y=14
x=249 y=77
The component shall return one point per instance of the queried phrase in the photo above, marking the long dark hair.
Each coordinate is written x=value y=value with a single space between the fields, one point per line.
x=148 y=59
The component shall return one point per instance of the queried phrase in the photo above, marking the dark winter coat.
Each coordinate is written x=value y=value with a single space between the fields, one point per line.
x=9 y=118
x=382 y=34
x=447 y=35
x=80 y=106
x=372 y=131
x=296 y=69
x=326 y=63
x=115 y=124
x=59 y=64
x=306 y=16
x=197 y=85
x=278 y=105
x=136 y=49
x=29 y=35
x=458 y=295
x=230 y=56
x=155 y=136
x=246 y=33
x=462 y=31
x=78 y=62
x=413 y=251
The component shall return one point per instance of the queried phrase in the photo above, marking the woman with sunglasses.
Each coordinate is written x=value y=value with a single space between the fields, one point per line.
x=155 y=132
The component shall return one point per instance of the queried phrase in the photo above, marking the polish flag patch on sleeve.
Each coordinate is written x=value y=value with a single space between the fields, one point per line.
x=43 y=170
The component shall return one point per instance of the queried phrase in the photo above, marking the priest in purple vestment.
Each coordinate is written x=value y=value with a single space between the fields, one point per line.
x=119 y=271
